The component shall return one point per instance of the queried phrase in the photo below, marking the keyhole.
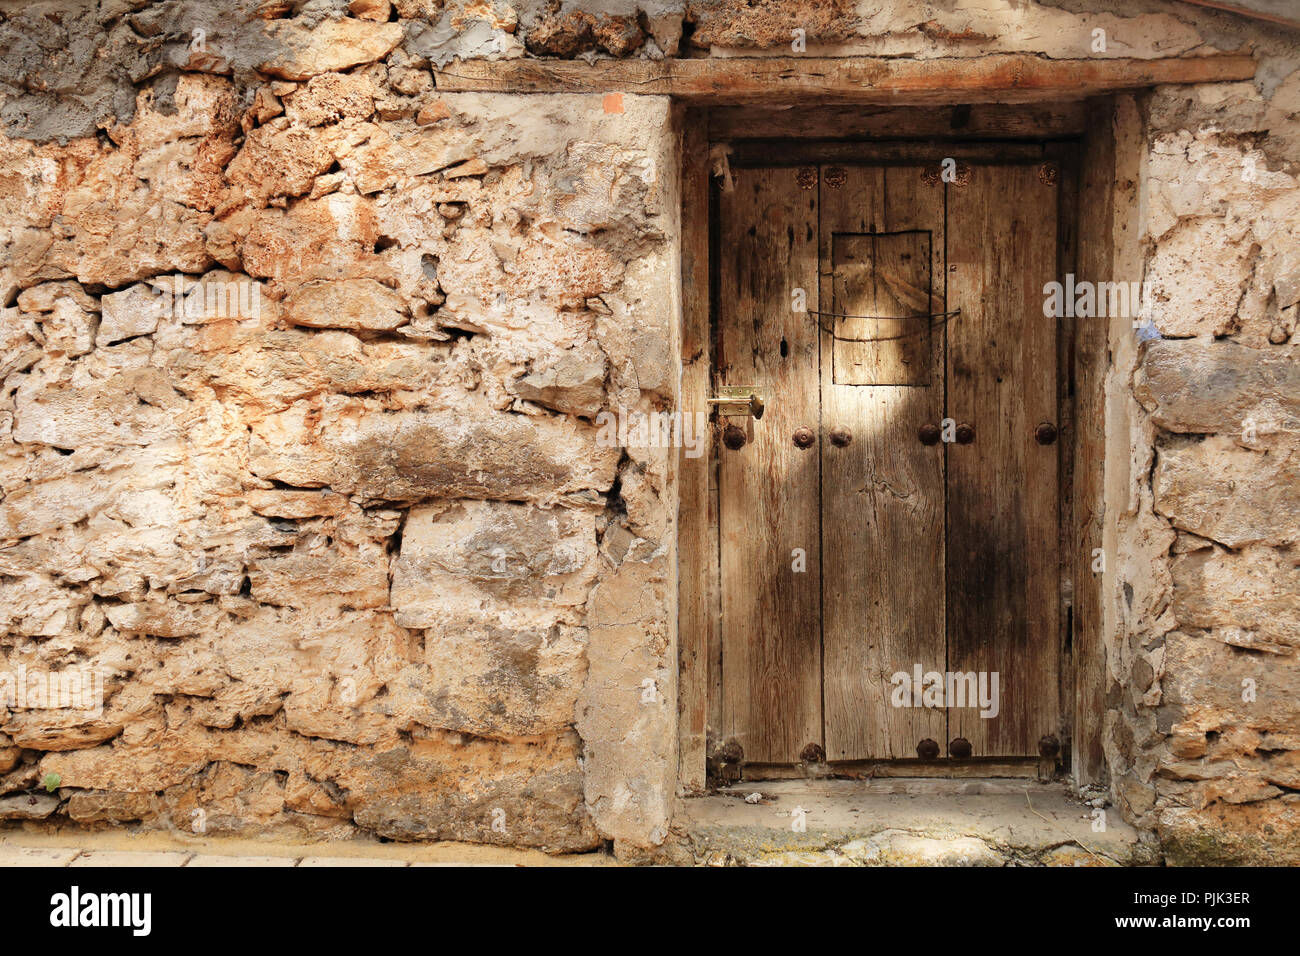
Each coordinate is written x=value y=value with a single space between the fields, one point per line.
x=785 y=348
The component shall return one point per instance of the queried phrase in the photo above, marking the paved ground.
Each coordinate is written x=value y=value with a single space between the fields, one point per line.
x=793 y=823
x=20 y=848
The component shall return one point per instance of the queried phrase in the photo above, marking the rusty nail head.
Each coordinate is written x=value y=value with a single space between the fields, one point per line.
x=813 y=753
x=840 y=436
x=806 y=177
x=1045 y=433
x=732 y=752
x=803 y=438
x=733 y=436
x=960 y=748
x=929 y=434
x=965 y=433
x=1049 y=746
x=927 y=749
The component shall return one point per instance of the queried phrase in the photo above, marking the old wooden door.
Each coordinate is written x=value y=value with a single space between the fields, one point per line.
x=892 y=323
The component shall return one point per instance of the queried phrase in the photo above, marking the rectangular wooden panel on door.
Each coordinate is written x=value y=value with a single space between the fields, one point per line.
x=769 y=503
x=881 y=306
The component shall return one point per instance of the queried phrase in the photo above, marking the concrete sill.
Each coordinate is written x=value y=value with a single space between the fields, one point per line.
x=899 y=822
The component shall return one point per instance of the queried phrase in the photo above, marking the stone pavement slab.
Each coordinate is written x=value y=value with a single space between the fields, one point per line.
x=214 y=860
x=317 y=861
x=128 y=858
x=36 y=856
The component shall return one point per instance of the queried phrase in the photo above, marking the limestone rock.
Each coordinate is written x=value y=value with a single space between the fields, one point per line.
x=468 y=452
x=19 y=345
x=386 y=159
x=133 y=311
x=891 y=848
x=132 y=407
x=331 y=97
x=574 y=383
x=328 y=238
x=1251 y=598
x=33 y=605
x=1197 y=273
x=43 y=297
x=68 y=329
x=1071 y=855
x=158 y=618
x=1255 y=834
x=321 y=574
x=278 y=162
x=1228 y=494
x=1206 y=683
x=480 y=677
x=376 y=10
x=512 y=561
x=346 y=304
x=304 y=51
x=28 y=806
x=1220 y=387
x=736 y=23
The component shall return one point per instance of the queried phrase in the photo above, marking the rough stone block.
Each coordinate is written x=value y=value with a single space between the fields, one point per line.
x=1209 y=686
x=1220 y=387
x=346 y=304
x=1254 y=834
x=469 y=452
x=1251 y=599
x=1229 y=494
x=301 y=51
x=501 y=558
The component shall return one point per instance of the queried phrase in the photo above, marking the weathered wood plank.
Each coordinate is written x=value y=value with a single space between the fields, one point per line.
x=1067 y=156
x=882 y=521
x=697 y=525
x=1091 y=357
x=768 y=489
x=1002 y=77
x=764 y=152
x=1035 y=121
x=1003 y=573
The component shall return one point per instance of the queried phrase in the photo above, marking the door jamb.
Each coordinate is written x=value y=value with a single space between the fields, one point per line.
x=1085 y=217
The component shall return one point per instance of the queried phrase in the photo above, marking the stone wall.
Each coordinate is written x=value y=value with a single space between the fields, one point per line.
x=1207 y=673
x=300 y=365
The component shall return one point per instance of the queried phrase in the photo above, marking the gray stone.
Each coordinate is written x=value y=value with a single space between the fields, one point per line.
x=1220 y=387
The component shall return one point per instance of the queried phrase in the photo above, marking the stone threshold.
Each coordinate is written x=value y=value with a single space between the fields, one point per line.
x=905 y=822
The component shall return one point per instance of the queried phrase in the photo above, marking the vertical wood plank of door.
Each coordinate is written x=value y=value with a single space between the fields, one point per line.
x=1003 y=588
x=768 y=490
x=882 y=494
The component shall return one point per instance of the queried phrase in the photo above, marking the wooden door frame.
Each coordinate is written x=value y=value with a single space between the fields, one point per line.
x=981 y=133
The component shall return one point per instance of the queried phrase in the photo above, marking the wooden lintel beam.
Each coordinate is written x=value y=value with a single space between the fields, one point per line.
x=1010 y=77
